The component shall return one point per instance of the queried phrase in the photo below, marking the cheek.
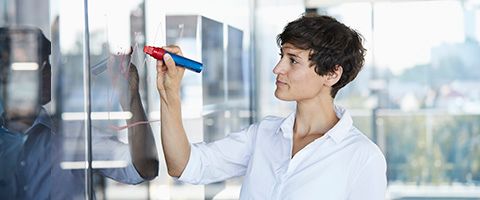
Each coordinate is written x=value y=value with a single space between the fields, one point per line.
x=308 y=84
x=306 y=79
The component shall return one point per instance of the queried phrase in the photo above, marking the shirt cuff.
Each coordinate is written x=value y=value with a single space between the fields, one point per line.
x=192 y=171
x=133 y=177
x=127 y=174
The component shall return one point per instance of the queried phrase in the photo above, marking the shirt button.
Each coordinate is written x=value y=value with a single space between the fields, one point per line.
x=22 y=163
x=25 y=188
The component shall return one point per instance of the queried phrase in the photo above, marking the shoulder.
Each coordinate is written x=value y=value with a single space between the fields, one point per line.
x=272 y=119
x=365 y=150
x=270 y=122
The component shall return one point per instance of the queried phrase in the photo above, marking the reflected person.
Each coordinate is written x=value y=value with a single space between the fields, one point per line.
x=31 y=144
x=313 y=153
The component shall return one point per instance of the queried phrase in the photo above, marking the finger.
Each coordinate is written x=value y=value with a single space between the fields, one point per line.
x=133 y=71
x=171 y=67
x=161 y=67
x=181 y=71
x=133 y=79
x=160 y=75
x=133 y=68
x=173 y=49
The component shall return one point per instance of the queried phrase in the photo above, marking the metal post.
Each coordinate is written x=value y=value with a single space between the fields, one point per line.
x=87 y=106
x=375 y=77
x=253 y=97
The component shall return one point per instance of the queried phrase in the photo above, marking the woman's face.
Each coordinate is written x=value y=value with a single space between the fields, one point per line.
x=296 y=78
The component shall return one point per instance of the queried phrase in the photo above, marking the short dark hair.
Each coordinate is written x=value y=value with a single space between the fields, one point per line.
x=331 y=43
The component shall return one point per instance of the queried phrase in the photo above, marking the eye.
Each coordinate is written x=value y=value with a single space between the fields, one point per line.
x=293 y=61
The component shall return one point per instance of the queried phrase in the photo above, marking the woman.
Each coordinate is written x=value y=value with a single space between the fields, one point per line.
x=314 y=153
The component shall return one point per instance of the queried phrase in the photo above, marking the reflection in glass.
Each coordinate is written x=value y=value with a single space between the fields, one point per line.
x=23 y=51
x=235 y=67
x=182 y=30
x=238 y=85
x=212 y=57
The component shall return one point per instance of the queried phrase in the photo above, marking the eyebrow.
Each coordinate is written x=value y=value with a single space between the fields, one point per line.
x=289 y=54
x=293 y=55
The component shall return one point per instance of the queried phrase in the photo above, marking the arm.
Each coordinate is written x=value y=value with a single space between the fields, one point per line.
x=175 y=144
x=371 y=183
x=220 y=160
x=199 y=163
x=140 y=137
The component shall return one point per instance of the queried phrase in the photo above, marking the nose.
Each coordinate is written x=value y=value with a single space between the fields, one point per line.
x=278 y=69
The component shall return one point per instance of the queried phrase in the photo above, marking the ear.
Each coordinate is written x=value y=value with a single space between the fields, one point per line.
x=334 y=76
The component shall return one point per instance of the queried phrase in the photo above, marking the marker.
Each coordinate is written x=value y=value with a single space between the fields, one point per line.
x=158 y=53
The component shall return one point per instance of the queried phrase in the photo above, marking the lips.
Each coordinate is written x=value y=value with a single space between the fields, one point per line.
x=278 y=82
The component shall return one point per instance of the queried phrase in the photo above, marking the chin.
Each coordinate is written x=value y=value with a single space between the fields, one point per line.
x=282 y=97
x=20 y=114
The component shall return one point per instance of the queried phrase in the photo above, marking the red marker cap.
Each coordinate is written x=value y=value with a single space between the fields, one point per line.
x=155 y=52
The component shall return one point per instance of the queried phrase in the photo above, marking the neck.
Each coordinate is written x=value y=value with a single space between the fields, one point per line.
x=314 y=116
x=19 y=126
x=20 y=122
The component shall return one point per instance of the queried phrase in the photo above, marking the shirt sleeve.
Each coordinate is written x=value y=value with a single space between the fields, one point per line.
x=127 y=175
x=219 y=160
x=371 y=183
x=114 y=160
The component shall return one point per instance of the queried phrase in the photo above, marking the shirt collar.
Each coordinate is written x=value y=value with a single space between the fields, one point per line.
x=44 y=119
x=342 y=129
x=338 y=132
x=287 y=126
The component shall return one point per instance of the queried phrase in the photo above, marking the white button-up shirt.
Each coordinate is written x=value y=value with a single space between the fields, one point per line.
x=342 y=164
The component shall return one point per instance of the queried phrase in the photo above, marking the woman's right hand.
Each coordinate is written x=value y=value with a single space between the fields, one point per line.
x=169 y=76
x=176 y=147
